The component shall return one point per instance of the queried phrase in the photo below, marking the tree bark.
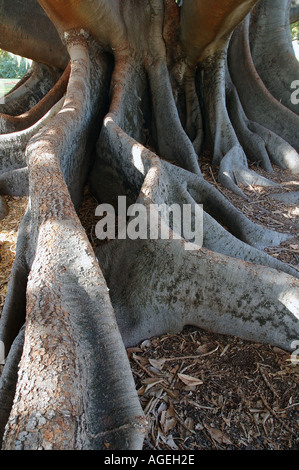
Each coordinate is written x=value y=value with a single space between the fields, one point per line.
x=281 y=60
x=26 y=30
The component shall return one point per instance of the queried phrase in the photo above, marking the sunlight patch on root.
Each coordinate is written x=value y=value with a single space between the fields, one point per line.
x=128 y=90
x=282 y=154
x=128 y=87
x=231 y=173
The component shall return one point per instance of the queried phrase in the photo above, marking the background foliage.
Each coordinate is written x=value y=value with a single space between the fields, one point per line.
x=295 y=31
x=12 y=66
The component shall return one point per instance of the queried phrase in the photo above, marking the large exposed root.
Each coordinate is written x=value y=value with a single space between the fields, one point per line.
x=12 y=152
x=227 y=150
x=66 y=296
x=123 y=162
x=261 y=145
x=173 y=288
x=37 y=83
x=8 y=381
x=124 y=166
x=10 y=124
x=170 y=133
x=277 y=66
x=259 y=105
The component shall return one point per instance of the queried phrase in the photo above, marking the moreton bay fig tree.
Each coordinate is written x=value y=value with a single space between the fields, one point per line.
x=124 y=96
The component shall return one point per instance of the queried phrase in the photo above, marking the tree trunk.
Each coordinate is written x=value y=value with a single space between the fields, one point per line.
x=151 y=87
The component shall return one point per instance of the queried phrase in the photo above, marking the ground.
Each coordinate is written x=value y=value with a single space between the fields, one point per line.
x=201 y=390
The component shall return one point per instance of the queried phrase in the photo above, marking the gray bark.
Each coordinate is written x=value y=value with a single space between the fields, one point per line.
x=271 y=48
x=262 y=107
x=294 y=11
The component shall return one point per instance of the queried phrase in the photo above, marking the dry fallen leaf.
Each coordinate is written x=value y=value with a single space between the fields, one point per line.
x=151 y=382
x=170 y=443
x=168 y=420
x=189 y=380
x=218 y=435
x=189 y=424
x=157 y=364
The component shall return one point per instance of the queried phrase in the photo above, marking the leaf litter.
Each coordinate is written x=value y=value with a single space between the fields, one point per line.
x=243 y=395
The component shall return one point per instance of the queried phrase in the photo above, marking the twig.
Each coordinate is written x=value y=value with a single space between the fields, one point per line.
x=198 y=356
x=275 y=414
x=267 y=382
x=134 y=357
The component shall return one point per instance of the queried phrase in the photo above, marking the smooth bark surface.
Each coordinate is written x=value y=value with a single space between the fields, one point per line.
x=26 y=30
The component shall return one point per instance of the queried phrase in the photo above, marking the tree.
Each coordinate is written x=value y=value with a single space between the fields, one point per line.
x=150 y=85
